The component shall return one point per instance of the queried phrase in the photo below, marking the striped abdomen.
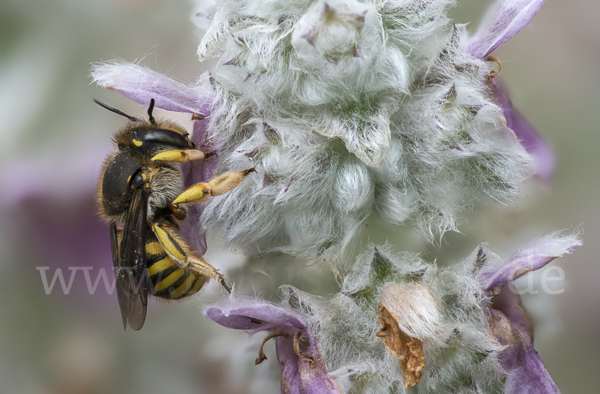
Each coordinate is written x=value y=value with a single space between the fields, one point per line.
x=167 y=279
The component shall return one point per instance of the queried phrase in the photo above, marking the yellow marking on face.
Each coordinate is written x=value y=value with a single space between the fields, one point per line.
x=198 y=285
x=137 y=143
x=169 y=280
x=187 y=283
x=160 y=266
x=154 y=248
x=129 y=179
x=168 y=243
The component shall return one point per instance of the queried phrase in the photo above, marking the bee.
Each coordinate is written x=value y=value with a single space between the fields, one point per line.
x=141 y=195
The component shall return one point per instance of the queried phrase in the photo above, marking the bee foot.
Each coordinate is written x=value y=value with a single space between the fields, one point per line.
x=224 y=284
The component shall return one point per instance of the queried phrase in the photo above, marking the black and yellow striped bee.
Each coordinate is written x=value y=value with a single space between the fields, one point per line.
x=141 y=195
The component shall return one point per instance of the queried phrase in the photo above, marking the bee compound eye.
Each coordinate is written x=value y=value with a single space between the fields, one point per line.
x=138 y=179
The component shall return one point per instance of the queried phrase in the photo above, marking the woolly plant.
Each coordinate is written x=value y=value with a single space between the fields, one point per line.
x=353 y=110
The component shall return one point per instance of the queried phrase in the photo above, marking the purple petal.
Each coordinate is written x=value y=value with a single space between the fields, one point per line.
x=142 y=84
x=253 y=315
x=502 y=21
x=531 y=376
x=192 y=230
x=512 y=327
x=204 y=170
x=290 y=370
x=517 y=329
x=532 y=257
x=193 y=173
x=535 y=144
x=531 y=140
x=297 y=376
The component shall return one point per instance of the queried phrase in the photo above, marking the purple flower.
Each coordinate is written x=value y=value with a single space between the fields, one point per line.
x=302 y=371
x=532 y=141
x=508 y=320
x=532 y=257
x=502 y=21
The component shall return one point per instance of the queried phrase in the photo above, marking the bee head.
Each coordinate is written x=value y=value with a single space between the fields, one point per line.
x=150 y=134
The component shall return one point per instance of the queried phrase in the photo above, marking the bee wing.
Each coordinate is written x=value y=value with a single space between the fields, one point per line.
x=129 y=261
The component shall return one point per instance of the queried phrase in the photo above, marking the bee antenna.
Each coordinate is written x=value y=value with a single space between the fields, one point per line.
x=150 y=109
x=116 y=111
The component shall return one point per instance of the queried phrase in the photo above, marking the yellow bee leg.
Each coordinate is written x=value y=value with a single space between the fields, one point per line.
x=228 y=182
x=171 y=243
x=183 y=255
x=178 y=213
x=221 y=185
x=194 y=194
x=181 y=156
x=198 y=264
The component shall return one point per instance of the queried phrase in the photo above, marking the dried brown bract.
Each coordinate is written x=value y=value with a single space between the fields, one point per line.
x=409 y=350
x=408 y=316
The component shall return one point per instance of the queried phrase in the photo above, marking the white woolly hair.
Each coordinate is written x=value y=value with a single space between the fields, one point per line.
x=414 y=310
x=466 y=360
x=447 y=309
x=460 y=354
x=400 y=121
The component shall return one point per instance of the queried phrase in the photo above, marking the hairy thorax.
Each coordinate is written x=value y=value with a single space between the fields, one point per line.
x=114 y=190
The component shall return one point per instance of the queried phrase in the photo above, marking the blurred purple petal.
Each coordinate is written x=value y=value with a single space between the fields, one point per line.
x=509 y=322
x=532 y=257
x=192 y=230
x=55 y=216
x=298 y=375
x=531 y=140
x=142 y=84
x=512 y=327
x=509 y=303
x=534 y=143
x=531 y=377
x=193 y=173
x=502 y=21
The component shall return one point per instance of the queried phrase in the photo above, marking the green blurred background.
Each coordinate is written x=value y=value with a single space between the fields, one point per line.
x=54 y=139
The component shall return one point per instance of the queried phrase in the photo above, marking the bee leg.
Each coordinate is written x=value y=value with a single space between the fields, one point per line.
x=181 y=156
x=221 y=185
x=182 y=254
x=178 y=213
